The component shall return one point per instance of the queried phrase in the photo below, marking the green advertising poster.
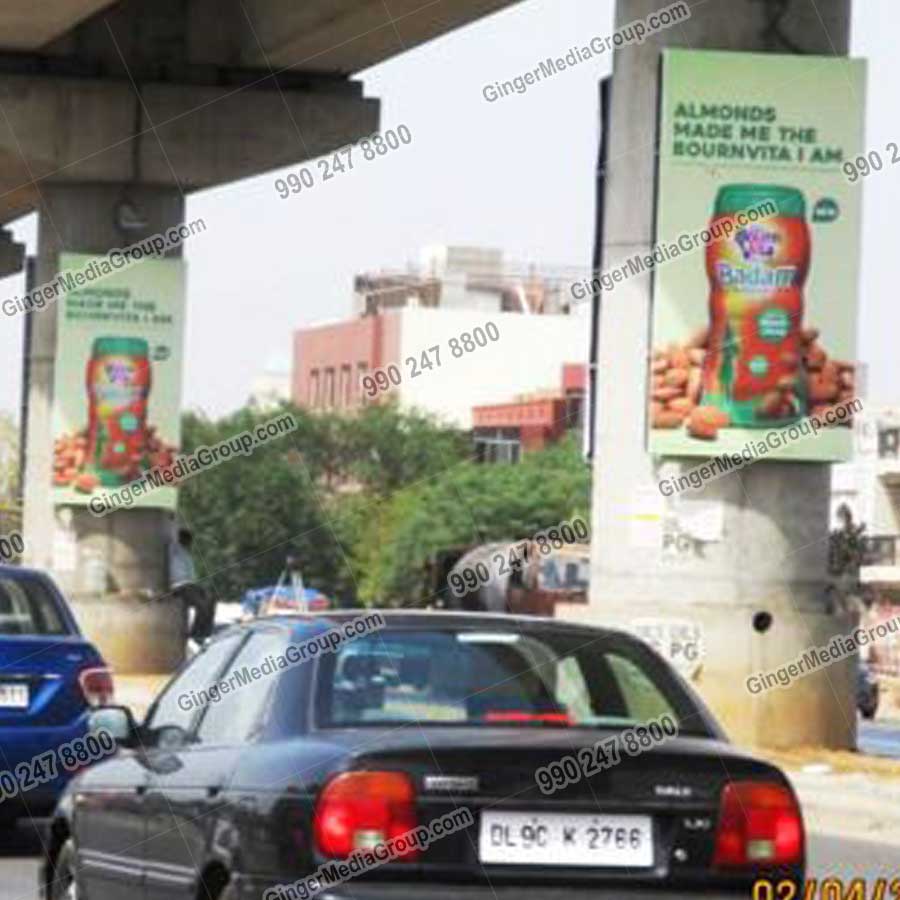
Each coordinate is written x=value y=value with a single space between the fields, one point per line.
x=117 y=386
x=756 y=256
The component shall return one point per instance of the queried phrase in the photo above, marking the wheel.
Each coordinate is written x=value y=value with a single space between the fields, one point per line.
x=64 y=885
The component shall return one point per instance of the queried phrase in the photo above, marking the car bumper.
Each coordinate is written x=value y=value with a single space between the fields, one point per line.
x=253 y=889
x=25 y=744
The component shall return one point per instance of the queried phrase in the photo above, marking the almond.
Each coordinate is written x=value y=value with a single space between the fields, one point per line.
x=815 y=358
x=717 y=416
x=682 y=405
x=703 y=424
x=667 y=419
x=808 y=335
x=86 y=482
x=694 y=385
x=679 y=358
x=696 y=356
x=676 y=377
x=821 y=389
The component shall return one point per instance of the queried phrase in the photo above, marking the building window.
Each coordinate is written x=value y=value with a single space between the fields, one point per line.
x=497 y=445
x=313 y=396
x=361 y=370
x=329 y=389
x=346 y=386
x=574 y=411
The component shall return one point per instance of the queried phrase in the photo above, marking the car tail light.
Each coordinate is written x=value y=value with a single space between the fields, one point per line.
x=546 y=718
x=362 y=809
x=759 y=825
x=96 y=684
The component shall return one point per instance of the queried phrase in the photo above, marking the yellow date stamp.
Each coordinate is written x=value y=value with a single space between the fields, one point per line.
x=827 y=889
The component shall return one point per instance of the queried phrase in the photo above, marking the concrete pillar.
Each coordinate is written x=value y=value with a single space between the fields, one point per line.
x=135 y=631
x=159 y=110
x=772 y=557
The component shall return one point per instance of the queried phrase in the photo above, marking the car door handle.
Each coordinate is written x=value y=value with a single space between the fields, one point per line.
x=213 y=790
x=141 y=789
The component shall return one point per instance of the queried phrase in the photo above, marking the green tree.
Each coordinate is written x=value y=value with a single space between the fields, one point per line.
x=466 y=505
x=309 y=494
x=249 y=513
x=385 y=449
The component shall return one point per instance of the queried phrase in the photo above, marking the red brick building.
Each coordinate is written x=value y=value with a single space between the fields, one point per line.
x=330 y=360
x=502 y=432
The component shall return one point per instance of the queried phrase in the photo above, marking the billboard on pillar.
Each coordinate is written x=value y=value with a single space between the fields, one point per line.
x=756 y=256
x=117 y=383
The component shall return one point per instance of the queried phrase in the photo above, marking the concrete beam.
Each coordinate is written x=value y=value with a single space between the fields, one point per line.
x=348 y=35
x=77 y=130
x=26 y=25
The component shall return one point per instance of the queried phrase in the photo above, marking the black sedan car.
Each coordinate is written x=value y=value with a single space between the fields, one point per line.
x=259 y=766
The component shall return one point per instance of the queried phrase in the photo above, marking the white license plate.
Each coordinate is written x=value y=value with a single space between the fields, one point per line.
x=559 y=839
x=14 y=695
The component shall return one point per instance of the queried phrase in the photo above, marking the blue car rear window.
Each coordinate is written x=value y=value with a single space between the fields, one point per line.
x=28 y=608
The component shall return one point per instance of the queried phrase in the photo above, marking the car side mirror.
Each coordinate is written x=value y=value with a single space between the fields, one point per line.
x=118 y=721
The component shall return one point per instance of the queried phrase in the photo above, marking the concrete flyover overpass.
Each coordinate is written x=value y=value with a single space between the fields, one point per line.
x=69 y=70
x=107 y=108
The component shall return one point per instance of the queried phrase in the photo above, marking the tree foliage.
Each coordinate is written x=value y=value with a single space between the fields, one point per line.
x=249 y=513
x=467 y=505
x=297 y=494
x=363 y=502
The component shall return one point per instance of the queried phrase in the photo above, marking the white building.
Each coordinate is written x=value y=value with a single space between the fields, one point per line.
x=455 y=291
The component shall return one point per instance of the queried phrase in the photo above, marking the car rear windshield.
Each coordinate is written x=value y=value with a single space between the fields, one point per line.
x=497 y=677
x=27 y=607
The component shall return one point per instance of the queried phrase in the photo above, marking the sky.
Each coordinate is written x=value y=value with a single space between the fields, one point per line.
x=516 y=174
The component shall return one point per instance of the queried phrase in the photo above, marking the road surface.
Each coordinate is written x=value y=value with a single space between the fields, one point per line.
x=845 y=859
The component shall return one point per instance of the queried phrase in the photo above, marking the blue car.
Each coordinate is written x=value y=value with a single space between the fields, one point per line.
x=49 y=678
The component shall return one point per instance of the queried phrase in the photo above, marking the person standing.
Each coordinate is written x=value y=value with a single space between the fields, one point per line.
x=183 y=582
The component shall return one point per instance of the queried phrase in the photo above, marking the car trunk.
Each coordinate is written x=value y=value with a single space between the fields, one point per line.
x=662 y=801
x=39 y=678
